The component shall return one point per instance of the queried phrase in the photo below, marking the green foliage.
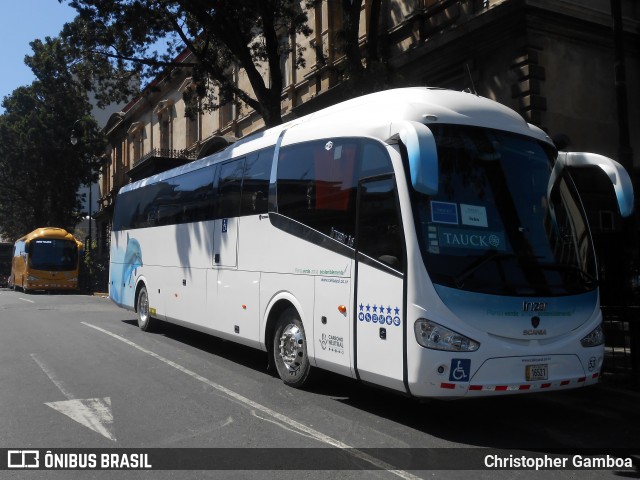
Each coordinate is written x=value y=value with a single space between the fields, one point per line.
x=94 y=270
x=40 y=171
x=115 y=44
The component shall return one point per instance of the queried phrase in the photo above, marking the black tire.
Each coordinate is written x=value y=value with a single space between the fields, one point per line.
x=290 y=350
x=145 y=321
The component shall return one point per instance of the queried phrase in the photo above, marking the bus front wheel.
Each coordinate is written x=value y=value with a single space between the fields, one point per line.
x=290 y=349
x=145 y=320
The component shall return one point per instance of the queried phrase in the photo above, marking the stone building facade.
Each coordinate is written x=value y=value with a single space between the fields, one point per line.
x=550 y=60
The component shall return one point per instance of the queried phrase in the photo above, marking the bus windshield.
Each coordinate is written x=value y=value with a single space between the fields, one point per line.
x=53 y=255
x=495 y=226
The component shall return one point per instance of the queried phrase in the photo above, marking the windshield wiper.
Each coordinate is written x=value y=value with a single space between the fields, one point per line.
x=486 y=257
x=586 y=276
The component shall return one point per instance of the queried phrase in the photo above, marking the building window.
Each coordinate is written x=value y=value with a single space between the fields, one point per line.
x=285 y=60
x=135 y=152
x=226 y=114
x=164 y=111
x=140 y=145
x=165 y=133
x=107 y=172
x=116 y=167
x=191 y=115
x=136 y=139
x=192 y=130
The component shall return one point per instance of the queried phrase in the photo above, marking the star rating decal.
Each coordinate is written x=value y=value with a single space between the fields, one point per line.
x=379 y=313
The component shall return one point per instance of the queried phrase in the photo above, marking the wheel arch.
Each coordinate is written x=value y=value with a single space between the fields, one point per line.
x=278 y=304
x=141 y=282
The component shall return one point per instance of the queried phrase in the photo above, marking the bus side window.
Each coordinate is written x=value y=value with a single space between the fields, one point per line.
x=229 y=189
x=375 y=160
x=380 y=233
x=317 y=185
x=128 y=207
x=255 y=183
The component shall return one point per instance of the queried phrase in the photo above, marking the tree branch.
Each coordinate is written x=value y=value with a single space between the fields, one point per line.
x=143 y=61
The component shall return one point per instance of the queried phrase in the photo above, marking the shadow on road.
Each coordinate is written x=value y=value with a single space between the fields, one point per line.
x=600 y=417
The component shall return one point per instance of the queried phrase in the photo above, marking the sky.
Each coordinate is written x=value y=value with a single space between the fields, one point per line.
x=21 y=22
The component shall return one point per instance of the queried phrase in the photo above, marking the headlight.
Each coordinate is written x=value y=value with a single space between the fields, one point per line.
x=595 y=338
x=432 y=335
x=31 y=278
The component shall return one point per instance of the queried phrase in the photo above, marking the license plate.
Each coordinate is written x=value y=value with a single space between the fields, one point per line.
x=537 y=372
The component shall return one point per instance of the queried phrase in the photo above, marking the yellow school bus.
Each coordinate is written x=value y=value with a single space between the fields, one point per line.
x=46 y=259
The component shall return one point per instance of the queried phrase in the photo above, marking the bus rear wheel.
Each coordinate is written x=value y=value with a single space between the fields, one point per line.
x=145 y=320
x=290 y=350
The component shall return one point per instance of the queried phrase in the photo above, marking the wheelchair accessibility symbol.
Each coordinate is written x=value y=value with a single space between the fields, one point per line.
x=460 y=368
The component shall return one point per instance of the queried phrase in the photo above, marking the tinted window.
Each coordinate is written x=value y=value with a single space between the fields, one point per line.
x=229 y=189
x=380 y=232
x=375 y=160
x=317 y=182
x=181 y=199
x=53 y=255
x=255 y=184
x=125 y=206
x=495 y=226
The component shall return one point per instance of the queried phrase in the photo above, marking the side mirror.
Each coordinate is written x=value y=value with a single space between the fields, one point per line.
x=618 y=176
x=422 y=152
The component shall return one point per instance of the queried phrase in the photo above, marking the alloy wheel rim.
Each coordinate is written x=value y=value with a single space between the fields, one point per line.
x=292 y=347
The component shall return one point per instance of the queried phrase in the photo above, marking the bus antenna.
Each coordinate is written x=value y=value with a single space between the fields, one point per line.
x=473 y=87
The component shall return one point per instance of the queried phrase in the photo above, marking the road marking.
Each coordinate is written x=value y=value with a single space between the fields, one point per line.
x=26 y=300
x=266 y=410
x=93 y=413
x=52 y=376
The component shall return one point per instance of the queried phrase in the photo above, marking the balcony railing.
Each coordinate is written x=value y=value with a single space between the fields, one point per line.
x=167 y=153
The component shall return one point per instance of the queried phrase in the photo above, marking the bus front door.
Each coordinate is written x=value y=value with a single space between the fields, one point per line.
x=380 y=305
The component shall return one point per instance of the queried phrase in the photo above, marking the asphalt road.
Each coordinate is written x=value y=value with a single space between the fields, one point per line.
x=76 y=373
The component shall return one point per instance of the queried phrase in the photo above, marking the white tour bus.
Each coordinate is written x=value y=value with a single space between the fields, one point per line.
x=423 y=240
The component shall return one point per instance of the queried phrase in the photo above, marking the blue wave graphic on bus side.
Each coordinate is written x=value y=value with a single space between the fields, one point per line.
x=123 y=273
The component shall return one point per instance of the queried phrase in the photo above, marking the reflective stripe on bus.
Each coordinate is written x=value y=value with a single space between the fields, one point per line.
x=520 y=387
